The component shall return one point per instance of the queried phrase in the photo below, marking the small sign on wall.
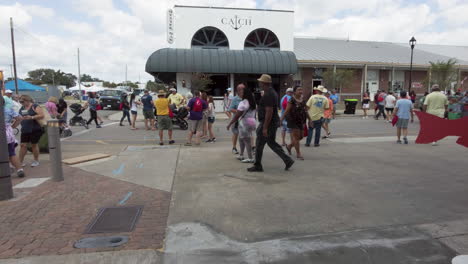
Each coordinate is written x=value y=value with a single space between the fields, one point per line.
x=170 y=26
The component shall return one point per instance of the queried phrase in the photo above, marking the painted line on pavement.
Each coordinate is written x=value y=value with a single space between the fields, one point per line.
x=86 y=131
x=119 y=170
x=126 y=197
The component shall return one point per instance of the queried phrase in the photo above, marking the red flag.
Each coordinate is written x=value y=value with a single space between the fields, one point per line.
x=434 y=128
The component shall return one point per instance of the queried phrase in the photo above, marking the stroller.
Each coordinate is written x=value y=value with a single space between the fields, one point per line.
x=77 y=109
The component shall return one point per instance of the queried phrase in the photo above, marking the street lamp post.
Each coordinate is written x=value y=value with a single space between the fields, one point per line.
x=412 y=43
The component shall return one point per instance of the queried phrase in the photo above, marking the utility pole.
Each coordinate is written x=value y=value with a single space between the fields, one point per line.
x=126 y=81
x=6 y=188
x=79 y=74
x=14 y=55
x=11 y=71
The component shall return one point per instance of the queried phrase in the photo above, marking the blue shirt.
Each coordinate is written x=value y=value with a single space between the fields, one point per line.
x=10 y=114
x=92 y=103
x=146 y=100
x=404 y=108
x=235 y=103
x=335 y=98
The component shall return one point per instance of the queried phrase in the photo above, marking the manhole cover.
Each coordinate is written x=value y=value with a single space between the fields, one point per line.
x=115 y=219
x=99 y=242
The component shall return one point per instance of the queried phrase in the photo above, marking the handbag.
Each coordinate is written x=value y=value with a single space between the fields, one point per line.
x=42 y=121
x=98 y=107
x=394 y=120
x=306 y=130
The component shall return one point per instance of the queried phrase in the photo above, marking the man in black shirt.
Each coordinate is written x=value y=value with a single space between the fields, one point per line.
x=268 y=124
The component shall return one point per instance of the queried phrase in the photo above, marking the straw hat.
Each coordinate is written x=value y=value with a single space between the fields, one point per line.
x=265 y=78
x=161 y=93
x=321 y=89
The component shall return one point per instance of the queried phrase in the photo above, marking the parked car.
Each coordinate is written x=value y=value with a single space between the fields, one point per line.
x=110 y=99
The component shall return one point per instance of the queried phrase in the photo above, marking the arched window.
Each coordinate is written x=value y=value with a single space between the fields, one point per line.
x=262 y=38
x=210 y=38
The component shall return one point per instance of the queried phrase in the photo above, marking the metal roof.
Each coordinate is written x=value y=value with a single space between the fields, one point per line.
x=315 y=50
x=458 y=52
x=222 y=61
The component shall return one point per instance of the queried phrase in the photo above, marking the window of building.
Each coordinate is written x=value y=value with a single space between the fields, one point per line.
x=262 y=38
x=210 y=38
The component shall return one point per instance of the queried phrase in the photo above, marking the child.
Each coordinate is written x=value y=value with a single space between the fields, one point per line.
x=211 y=119
x=454 y=108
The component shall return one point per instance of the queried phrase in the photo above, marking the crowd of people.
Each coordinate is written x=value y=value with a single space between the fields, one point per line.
x=253 y=121
x=399 y=110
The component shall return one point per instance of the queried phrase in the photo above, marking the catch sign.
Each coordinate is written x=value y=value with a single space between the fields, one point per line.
x=236 y=22
x=170 y=26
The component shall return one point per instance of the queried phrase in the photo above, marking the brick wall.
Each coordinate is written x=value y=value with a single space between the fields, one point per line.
x=307 y=76
x=383 y=82
x=417 y=76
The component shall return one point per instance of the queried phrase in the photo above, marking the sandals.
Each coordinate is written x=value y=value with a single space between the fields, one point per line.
x=300 y=158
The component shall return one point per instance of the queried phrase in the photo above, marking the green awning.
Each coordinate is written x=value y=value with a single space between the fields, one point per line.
x=248 y=61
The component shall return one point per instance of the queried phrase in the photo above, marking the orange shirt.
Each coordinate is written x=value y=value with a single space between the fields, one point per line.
x=327 y=113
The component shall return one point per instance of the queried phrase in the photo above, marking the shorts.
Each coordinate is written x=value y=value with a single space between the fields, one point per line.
x=326 y=120
x=402 y=123
x=235 y=128
x=211 y=119
x=365 y=106
x=164 y=123
x=148 y=114
x=195 y=125
x=32 y=138
x=11 y=149
x=294 y=125
x=134 y=112
x=284 y=126
x=389 y=110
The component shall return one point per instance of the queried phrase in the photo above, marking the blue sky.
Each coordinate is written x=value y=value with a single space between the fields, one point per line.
x=112 y=33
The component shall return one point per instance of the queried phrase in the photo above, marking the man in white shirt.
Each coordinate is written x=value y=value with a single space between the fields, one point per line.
x=390 y=101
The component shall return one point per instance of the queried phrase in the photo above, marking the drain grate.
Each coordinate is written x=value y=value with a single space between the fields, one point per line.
x=99 y=242
x=115 y=219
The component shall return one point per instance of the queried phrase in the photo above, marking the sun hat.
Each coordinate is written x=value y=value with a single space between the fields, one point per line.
x=321 y=89
x=289 y=90
x=8 y=91
x=265 y=78
x=161 y=93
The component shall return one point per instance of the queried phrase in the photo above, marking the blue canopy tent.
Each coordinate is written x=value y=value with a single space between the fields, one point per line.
x=23 y=86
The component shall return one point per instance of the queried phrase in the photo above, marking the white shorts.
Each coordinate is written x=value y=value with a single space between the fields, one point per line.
x=365 y=106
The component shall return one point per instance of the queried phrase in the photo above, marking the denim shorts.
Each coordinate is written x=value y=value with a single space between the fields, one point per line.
x=211 y=120
x=284 y=126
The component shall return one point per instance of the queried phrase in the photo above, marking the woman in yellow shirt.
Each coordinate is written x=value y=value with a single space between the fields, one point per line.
x=164 y=120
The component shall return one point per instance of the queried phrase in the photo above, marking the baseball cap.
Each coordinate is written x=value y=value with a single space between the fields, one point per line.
x=290 y=90
x=229 y=89
x=8 y=91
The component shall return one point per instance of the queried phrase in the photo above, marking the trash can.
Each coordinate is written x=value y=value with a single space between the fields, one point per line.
x=350 y=106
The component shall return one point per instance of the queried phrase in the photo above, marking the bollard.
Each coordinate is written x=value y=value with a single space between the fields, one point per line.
x=55 y=151
x=6 y=188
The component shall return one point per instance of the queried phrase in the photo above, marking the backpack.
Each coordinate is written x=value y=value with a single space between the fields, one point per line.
x=197 y=105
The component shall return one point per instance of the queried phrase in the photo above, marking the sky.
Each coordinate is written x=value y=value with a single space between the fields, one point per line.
x=115 y=33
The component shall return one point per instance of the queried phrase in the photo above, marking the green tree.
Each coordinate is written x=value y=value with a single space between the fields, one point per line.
x=155 y=86
x=338 y=79
x=109 y=84
x=200 y=82
x=50 y=76
x=443 y=73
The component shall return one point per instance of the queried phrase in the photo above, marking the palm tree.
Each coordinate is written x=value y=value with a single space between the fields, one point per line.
x=444 y=73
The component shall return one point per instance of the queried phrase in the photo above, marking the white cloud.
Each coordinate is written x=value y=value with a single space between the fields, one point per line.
x=112 y=37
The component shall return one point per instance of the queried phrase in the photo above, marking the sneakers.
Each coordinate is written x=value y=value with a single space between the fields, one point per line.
x=211 y=140
x=171 y=142
x=234 y=151
x=434 y=143
x=240 y=158
x=398 y=141
x=248 y=161
x=405 y=140
x=121 y=124
x=35 y=163
x=307 y=145
x=188 y=144
x=255 y=169
x=99 y=126
x=20 y=173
